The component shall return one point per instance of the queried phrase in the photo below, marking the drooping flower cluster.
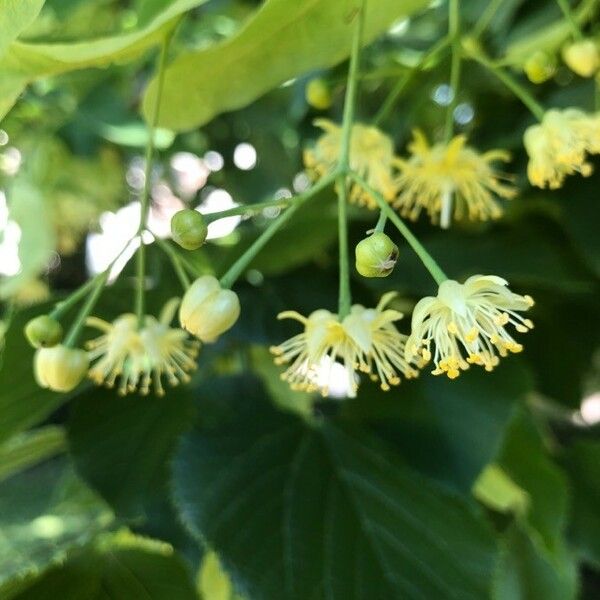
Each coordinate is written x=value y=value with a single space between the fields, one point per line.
x=364 y=341
x=450 y=181
x=141 y=357
x=131 y=357
x=465 y=324
x=559 y=145
x=371 y=156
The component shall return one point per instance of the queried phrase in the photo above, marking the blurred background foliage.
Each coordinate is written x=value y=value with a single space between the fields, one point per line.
x=234 y=486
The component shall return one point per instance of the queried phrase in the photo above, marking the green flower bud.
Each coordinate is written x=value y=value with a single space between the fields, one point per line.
x=376 y=255
x=59 y=368
x=189 y=229
x=207 y=310
x=318 y=94
x=43 y=332
x=540 y=66
x=582 y=57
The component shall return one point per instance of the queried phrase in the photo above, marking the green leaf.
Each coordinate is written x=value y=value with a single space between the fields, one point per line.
x=121 y=446
x=16 y=15
x=45 y=512
x=29 y=448
x=336 y=514
x=523 y=573
x=25 y=62
x=284 y=39
x=213 y=582
x=524 y=460
x=448 y=429
x=497 y=490
x=119 y=567
x=582 y=464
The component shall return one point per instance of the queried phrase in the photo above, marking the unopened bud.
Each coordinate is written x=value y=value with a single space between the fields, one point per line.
x=318 y=94
x=189 y=229
x=376 y=255
x=207 y=310
x=59 y=368
x=582 y=57
x=540 y=66
x=43 y=332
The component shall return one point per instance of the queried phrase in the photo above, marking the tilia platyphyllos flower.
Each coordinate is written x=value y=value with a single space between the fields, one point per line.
x=466 y=324
x=558 y=146
x=371 y=156
x=140 y=358
x=365 y=341
x=450 y=181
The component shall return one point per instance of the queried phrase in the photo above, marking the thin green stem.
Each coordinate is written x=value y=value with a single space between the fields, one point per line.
x=573 y=24
x=486 y=18
x=454 y=35
x=513 y=85
x=86 y=309
x=145 y=200
x=175 y=261
x=249 y=209
x=351 y=90
x=345 y=298
x=396 y=92
x=62 y=307
x=239 y=266
x=381 y=222
x=426 y=258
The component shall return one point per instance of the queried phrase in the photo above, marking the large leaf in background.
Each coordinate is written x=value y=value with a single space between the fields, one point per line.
x=523 y=573
x=582 y=464
x=29 y=448
x=25 y=62
x=16 y=15
x=296 y=510
x=284 y=39
x=121 y=446
x=447 y=429
x=45 y=512
x=119 y=567
x=22 y=402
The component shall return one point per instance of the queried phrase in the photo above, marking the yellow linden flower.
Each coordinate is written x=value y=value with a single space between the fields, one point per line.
x=380 y=345
x=323 y=336
x=450 y=180
x=557 y=146
x=141 y=357
x=371 y=156
x=366 y=341
x=466 y=324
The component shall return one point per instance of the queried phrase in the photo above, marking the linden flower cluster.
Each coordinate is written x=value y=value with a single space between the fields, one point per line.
x=465 y=324
x=134 y=358
x=559 y=145
x=365 y=341
x=445 y=180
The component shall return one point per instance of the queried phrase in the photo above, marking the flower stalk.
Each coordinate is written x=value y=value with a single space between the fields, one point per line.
x=238 y=267
x=145 y=200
